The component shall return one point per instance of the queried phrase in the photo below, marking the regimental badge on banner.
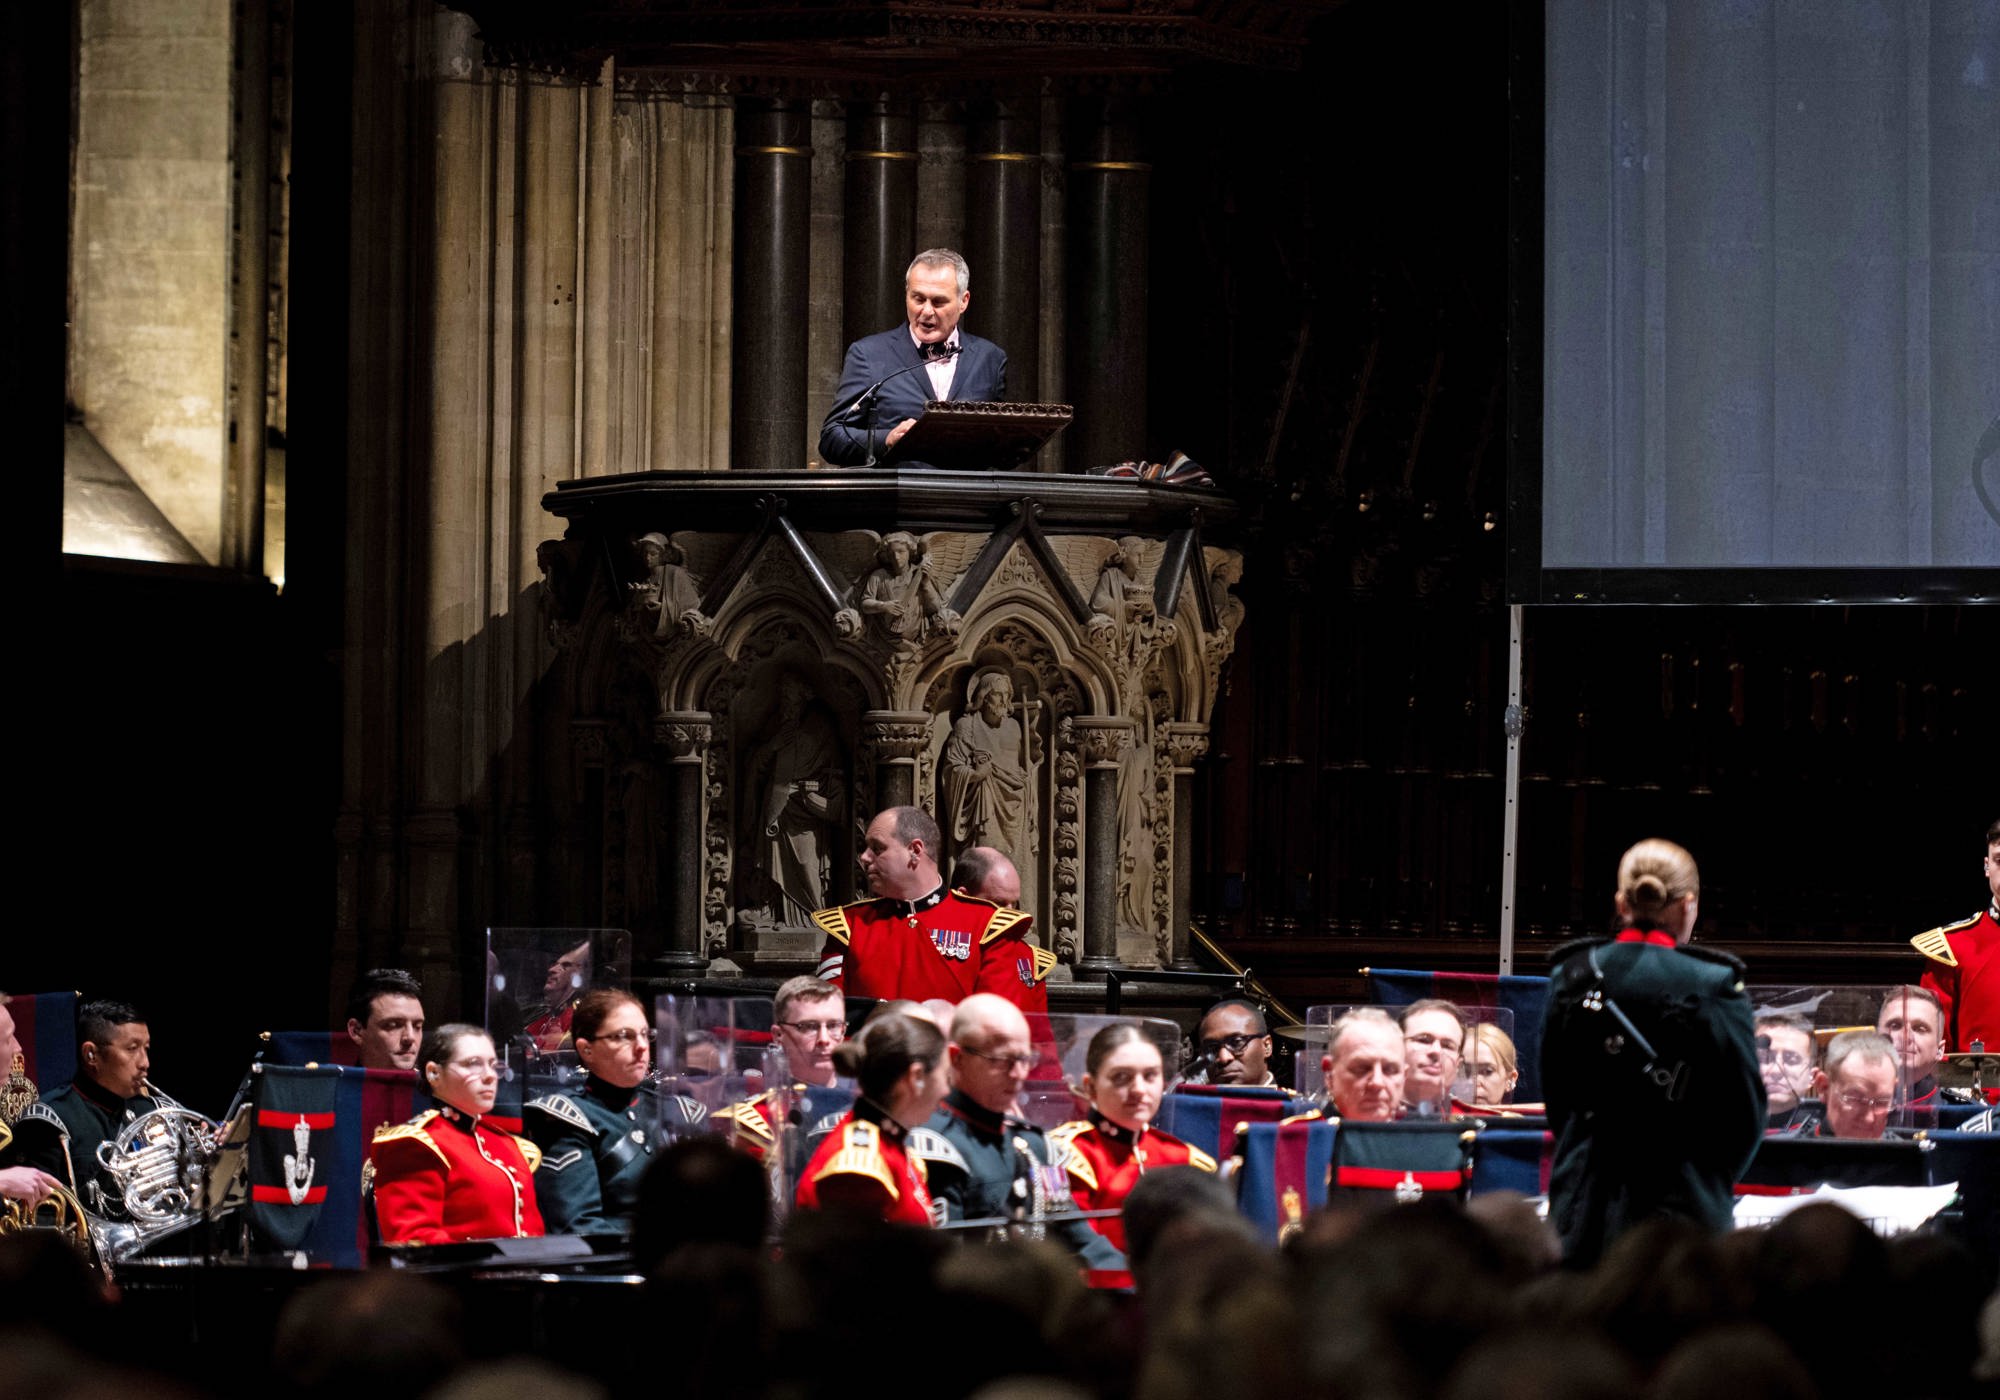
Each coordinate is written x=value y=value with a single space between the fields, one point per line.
x=289 y=1152
x=954 y=943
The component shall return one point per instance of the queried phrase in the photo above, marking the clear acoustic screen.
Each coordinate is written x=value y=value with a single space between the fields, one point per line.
x=1771 y=285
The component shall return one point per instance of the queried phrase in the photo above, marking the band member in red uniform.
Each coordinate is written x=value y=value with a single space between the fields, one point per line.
x=1964 y=968
x=446 y=1175
x=920 y=940
x=898 y=1062
x=1106 y=1155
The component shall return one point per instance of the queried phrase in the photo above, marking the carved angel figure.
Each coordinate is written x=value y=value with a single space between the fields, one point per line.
x=668 y=592
x=899 y=599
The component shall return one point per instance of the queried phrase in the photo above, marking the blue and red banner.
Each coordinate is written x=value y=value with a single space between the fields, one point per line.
x=1526 y=997
x=1513 y=1159
x=1284 y=1174
x=1207 y=1115
x=45 y=1024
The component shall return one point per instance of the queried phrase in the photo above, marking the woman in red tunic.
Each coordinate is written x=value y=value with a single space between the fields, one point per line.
x=1105 y=1156
x=898 y=1063
x=448 y=1175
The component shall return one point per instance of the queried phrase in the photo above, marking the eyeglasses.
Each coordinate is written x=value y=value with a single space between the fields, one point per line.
x=1856 y=1103
x=619 y=1038
x=1007 y=1062
x=1234 y=1044
x=1429 y=1041
x=809 y=1029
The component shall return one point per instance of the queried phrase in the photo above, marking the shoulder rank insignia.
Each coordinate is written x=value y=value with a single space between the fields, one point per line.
x=39 y=1112
x=746 y=1118
x=568 y=1159
x=1199 y=1158
x=412 y=1131
x=1045 y=963
x=529 y=1150
x=562 y=1107
x=860 y=1154
x=832 y=923
x=1936 y=945
x=1007 y=921
x=1062 y=1145
x=934 y=1148
x=6 y=1134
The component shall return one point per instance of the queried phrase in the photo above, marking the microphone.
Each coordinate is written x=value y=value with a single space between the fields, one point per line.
x=929 y=355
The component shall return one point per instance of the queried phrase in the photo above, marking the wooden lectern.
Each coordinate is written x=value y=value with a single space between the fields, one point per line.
x=979 y=437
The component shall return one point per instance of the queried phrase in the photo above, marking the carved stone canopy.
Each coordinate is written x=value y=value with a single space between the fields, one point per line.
x=777 y=656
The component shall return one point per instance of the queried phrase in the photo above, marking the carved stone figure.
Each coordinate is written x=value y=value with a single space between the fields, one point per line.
x=668 y=592
x=1119 y=596
x=800 y=791
x=898 y=600
x=988 y=776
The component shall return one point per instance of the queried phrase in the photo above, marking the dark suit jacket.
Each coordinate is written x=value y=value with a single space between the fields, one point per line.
x=980 y=376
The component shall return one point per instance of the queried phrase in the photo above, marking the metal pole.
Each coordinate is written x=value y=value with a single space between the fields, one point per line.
x=1510 y=825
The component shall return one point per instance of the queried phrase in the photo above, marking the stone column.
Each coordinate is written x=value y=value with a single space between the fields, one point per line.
x=880 y=203
x=1103 y=740
x=893 y=739
x=1106 y=209
x=1186 y=743
x=685 y=735
x=773 y=200
x=1003 y=234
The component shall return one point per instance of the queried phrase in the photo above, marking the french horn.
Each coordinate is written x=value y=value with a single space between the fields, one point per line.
x=160 y=1161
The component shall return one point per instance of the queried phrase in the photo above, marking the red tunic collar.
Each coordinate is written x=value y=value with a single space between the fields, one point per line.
x=1647 y=935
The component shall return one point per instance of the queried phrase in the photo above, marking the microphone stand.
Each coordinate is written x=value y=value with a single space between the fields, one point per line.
x=866 y=401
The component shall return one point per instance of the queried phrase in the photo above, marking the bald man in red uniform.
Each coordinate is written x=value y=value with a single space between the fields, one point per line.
x=919 y=940
x=1964 y=968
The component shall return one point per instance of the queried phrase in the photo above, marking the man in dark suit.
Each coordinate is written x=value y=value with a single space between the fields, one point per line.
x=930 y=358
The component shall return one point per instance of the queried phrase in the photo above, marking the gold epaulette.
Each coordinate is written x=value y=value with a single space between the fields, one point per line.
x=529 y=1152
x=1936 y=945
x=1045 y=963
x=832 y=922
x=1199 y=1158
x=414 y=1129
x=6 y=1135
x=860 y=1154
x=747 y=1118
x=1007 y=921
x=1062 y=1137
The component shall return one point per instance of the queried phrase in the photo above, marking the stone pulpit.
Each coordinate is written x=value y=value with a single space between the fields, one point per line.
x=754 y=663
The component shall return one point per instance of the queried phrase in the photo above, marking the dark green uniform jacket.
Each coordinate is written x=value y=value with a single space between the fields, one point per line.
x=596 y=1144
x=1632 y=1145
x=37 y=1139
x=981 y=1166
x=94 y=1116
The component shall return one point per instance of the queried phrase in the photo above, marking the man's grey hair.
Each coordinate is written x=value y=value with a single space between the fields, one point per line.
x=1869 y=1045
x=1359 y=1016
x=941 y=257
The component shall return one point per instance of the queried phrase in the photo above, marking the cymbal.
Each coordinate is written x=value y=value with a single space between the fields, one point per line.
x=1969 y=1071
x=1311 y=1035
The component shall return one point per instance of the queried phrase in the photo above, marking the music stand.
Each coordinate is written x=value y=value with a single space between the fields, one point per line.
x=979 y=437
